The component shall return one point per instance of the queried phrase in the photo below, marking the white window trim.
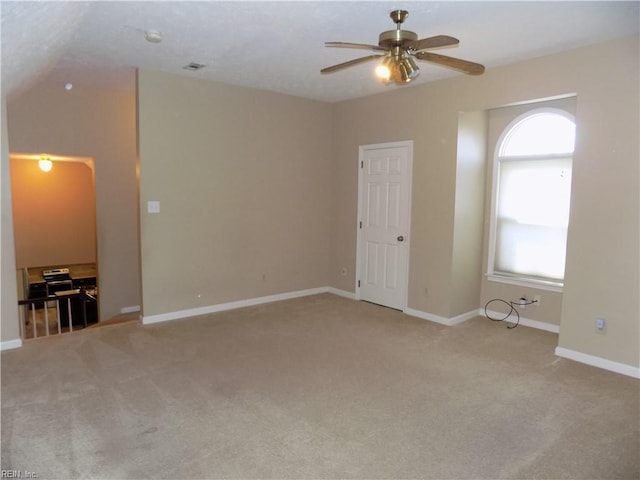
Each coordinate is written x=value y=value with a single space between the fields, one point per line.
x=525 y=282
x=492 y=275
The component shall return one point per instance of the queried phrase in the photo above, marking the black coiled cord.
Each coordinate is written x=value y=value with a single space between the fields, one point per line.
x=512 y=309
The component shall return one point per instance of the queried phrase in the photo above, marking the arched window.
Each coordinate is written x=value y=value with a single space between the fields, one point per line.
x=532 y=190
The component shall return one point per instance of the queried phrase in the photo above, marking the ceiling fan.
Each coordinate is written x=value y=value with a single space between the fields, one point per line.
x=399 y=49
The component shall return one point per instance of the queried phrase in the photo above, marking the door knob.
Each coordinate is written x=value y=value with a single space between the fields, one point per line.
x=401 y=238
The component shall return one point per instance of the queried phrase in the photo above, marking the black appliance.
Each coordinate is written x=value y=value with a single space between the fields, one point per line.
x=81 y=298
x=57 y=280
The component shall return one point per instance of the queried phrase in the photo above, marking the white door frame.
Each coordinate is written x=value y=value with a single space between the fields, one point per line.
x=359 y=250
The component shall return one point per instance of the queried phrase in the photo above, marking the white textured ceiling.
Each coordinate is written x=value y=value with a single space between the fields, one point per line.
x=279 y=46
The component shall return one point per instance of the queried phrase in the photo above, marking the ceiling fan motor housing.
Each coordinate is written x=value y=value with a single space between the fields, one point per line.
x=396 y=38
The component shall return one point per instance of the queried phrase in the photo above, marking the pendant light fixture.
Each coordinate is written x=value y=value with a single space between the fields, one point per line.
x=45 y=163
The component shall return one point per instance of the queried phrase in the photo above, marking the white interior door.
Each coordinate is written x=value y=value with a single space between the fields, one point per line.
x=384 y=219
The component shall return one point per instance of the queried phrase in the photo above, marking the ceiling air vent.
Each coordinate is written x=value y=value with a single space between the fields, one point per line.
x=193 y=66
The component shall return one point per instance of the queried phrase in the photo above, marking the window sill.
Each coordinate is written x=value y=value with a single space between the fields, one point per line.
x=525 y=282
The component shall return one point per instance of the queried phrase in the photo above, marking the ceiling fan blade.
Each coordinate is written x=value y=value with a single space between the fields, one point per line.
x=433 y=42
x=455 y=63
x=354 y=45
x=349 y=63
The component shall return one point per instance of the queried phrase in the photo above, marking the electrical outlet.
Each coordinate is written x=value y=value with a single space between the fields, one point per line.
x=522 y=302
x=600 y=324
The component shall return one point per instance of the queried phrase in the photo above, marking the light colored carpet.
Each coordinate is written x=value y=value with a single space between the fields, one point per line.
x=316 y=387
x=118 y=319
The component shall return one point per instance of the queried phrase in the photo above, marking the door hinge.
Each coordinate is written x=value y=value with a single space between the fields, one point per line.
x=362 y=164
x=361 y=224
x=358 y=283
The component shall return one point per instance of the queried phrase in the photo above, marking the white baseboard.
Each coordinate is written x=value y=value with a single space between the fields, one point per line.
x=192 y=312
x=342 y=293
x=525 y=322
x=10 y=344
x=450 y=322
x=599 y=362
x=132 y=309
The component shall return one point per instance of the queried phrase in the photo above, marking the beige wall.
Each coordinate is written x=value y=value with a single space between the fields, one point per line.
x=258 y=191
x=429 y=116
x=9 y=326
x=94 y=123
x=466 y=266
x=242 y=177
x=54 y=213
x=603 y=255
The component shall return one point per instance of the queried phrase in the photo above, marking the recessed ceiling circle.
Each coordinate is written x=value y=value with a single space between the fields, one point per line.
x=153 y=36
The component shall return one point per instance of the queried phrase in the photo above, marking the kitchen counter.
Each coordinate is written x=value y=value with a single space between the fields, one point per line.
x=77 y=272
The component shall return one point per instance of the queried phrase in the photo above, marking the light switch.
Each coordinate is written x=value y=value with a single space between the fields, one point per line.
x=153 y=206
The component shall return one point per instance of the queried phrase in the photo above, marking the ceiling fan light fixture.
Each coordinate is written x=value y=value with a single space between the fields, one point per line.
x=384 y=69
x=401 y=50
x=408 y=65
x=383 y=72
x=407 y=70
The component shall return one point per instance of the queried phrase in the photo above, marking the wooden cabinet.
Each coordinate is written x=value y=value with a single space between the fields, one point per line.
x=37 y=290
